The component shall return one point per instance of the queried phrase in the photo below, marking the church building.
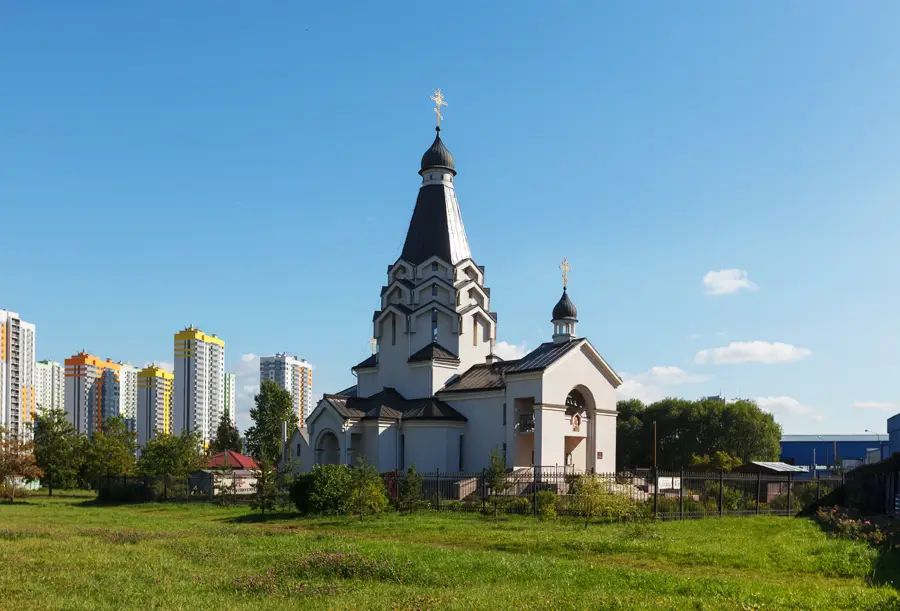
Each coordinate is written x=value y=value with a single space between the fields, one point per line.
x=433 y=394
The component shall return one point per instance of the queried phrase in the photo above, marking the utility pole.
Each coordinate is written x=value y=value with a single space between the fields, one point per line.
x=654 y=445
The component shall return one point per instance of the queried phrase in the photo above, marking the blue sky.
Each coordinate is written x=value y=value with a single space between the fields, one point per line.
x=251 y=168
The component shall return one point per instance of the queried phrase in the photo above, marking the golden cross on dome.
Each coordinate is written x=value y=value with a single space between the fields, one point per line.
x=565 y=267
x=438 y=98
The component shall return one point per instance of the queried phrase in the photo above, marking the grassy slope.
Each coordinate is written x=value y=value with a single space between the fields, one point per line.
x=62 y=553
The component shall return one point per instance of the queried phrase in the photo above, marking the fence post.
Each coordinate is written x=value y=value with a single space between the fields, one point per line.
x=437 y=489
x=790 y=481
x=655 y=492
x=483 y=493
x=721 y=490
x=534 y=510
x=818 y=487
x=681 y=495
x=758 y=489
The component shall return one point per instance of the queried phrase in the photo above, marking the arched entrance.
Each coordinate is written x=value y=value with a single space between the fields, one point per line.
x=328 y=449
x=579 y=440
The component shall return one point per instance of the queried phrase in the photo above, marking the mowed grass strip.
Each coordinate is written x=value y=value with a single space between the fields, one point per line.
x=67 y=553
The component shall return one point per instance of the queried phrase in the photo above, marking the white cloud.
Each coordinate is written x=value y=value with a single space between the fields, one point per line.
x=787 y=406
x=167 y=365
x=510 y=352
x=650 y=385
x=752 y=352
x=727 y=282
x=879 y=405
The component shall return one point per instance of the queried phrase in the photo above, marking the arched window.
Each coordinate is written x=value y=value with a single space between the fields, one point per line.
x=575 y=403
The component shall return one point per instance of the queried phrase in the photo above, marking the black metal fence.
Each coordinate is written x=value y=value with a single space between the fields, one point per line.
x=203 y=486
x=534 y=490
x=664 y=494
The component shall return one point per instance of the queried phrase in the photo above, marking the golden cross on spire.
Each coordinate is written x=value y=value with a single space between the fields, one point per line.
x=565 y=267
x=438 y=98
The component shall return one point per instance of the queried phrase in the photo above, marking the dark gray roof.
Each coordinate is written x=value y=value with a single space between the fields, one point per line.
x=543 y=356
x=428 y=234
x=438 y=155
x=405 y=310
x=403 y=281
x=480 y=377
x=433 y=352
x=347 y=392
x=391 y=405
x=372 y=361
x=564 y=308
x=490 y=376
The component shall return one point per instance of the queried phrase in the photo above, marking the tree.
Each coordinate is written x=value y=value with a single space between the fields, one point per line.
x=409 y=491
x=367 y=495
x=17 y=463
x=267 y=493
x=495 y=477
x=227 y=436
x=171 y=455
x=273 y=409
x=719 y=461
x=685 y=429
x=57 y=449
x=110 y=451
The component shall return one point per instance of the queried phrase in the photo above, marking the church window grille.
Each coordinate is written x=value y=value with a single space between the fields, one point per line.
x=474 y=331
x=434 y=324
x=393 y=329
x=504 y=414
x=434 y=290
x=434 y=267
x=460 y=452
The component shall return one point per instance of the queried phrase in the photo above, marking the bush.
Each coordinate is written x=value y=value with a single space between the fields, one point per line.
x=409 y=495
x=367 y=493
x=518 y=504
x=300 y=490
x=546 y=504
x=848 y=523
x=329 y=489
x=591 y=500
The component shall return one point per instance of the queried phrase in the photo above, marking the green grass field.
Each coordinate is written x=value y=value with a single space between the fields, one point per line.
x=67 y=553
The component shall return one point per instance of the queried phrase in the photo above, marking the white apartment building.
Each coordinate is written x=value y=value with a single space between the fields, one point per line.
x=154 y=403
x=18 y=399
x=50 y=383
x=230 y=386
x=128 y=394
x=292 y=374
x=199 y=383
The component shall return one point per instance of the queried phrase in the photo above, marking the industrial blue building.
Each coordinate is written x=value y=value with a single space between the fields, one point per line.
x=849 y=451
x=893 y=428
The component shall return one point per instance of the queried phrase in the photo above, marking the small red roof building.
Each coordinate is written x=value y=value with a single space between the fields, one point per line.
x=230 y=459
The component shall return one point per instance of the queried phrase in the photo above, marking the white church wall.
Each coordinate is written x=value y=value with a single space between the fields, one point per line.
x=388 y=445
x=367 y=383
x=432 y=446
x=606 y=442
x=550 y=427
x=484 y=429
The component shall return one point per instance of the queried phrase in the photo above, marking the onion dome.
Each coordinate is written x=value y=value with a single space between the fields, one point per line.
x=438 y=156
x=564 y=308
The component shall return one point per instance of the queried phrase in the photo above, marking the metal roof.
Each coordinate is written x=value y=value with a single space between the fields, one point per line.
x=391 y=405
x=781 y=467
x=839 y=438
x=433 y=352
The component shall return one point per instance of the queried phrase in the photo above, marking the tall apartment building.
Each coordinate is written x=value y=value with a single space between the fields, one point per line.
x=92 y=391
x=230 y=386
x=18 y=399
x=128 y=394
x=199 y=383
x=154 y=403
x=50 y=384
x=292 y=374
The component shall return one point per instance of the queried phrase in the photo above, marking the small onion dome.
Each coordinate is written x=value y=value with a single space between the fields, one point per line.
x=564 y=308
x=438 y=156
